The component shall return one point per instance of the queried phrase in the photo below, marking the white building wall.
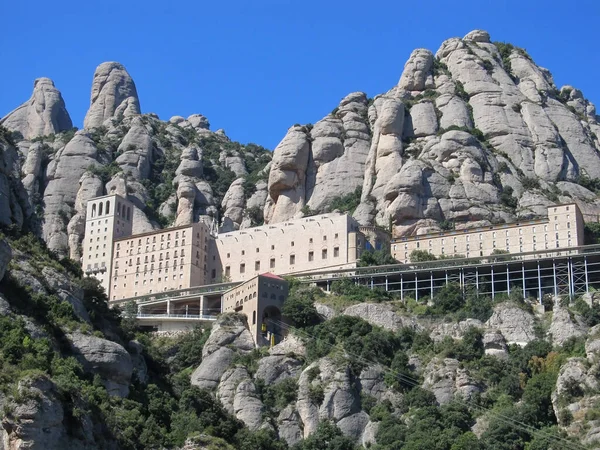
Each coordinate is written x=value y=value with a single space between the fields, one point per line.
x=562 y=228
x=326 y=241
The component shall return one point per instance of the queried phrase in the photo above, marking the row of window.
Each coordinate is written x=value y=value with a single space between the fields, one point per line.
x=311 y=257
x=443 y=250
x=292 y=244
x=102 y=208
x=443 y=242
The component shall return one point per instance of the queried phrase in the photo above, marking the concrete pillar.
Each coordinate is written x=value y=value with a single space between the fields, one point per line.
x=431 y=285
x=507 y=280
x=168 y=306
x=554 y=277
x=203 y=305
x=401 y=287
x=416 y=287
x=587 y=285
x=523 y=278
x=493 y=292
x=539 y=275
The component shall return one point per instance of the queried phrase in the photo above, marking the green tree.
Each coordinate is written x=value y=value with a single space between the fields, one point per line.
x=376 y=258
x=327 y=436
x=299 y=307
x=421 y=256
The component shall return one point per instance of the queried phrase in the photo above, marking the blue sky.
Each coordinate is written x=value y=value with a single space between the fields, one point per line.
x=257 y=67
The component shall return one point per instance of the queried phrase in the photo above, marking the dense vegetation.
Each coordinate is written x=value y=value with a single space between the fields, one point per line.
x=518 y=388
x=162 y=413
x=168 y=410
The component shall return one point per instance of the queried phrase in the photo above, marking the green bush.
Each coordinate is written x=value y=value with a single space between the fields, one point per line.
x=299 y=307
x=376 y=258
x=421 y=256
x=346 y=203
x=530 y=183
x=327 y=436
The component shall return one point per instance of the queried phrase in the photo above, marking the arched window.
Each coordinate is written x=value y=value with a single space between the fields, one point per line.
x=123 y=214
x=128 y=213
x=253 y=317
x=100 y=208
x=107 y=206
x=94 y=210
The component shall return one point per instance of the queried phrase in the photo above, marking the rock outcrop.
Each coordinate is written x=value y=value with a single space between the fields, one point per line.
x=43 y=114
x=229 y=335
x=460 y=128
x=513 y=322
x=565 y=325
x=381 y=315
x=445 y=378
x=105 y=358
x=113 y=95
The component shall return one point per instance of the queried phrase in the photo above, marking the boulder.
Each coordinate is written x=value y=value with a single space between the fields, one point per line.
x=113 y=95
x=455 y=330
x=417 y=74
x=228 y=384
x=291 y=345
x=43 y=114
x=208 y=374
x=37 y=421
x=326 y=312
x=273 y=369
x=288 y=425
x=247 y=406
x=445 y=378
x=381 y=315
x=105 y=358
x=515 y=324
x=494 y=344
x=565 y=325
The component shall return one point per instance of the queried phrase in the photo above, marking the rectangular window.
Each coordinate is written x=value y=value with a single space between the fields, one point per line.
x=242 y=268
x=257 y=265
x=311 y=256
x=292 y=259
x=336 y=252
x=324 y=253
x=272 y=263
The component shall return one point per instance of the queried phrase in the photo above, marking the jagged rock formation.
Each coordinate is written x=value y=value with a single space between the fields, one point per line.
x=113 y=95
x=515 y=324
x=44 y=113
x=174 y=172
x=445 y=378
x=463 y=132
x=473 y=134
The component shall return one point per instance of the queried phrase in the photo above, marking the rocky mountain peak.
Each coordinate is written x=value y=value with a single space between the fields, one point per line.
x=113 y=95
x=475 y=133
x=44 y=113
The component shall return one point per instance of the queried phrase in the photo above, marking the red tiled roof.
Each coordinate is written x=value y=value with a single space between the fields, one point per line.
x=270 y=275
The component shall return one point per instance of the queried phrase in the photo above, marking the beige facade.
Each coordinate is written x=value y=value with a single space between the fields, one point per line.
x=174 y=258
x=328 y=241
x=108 y=218
x=561 y=229
x=260 y=299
